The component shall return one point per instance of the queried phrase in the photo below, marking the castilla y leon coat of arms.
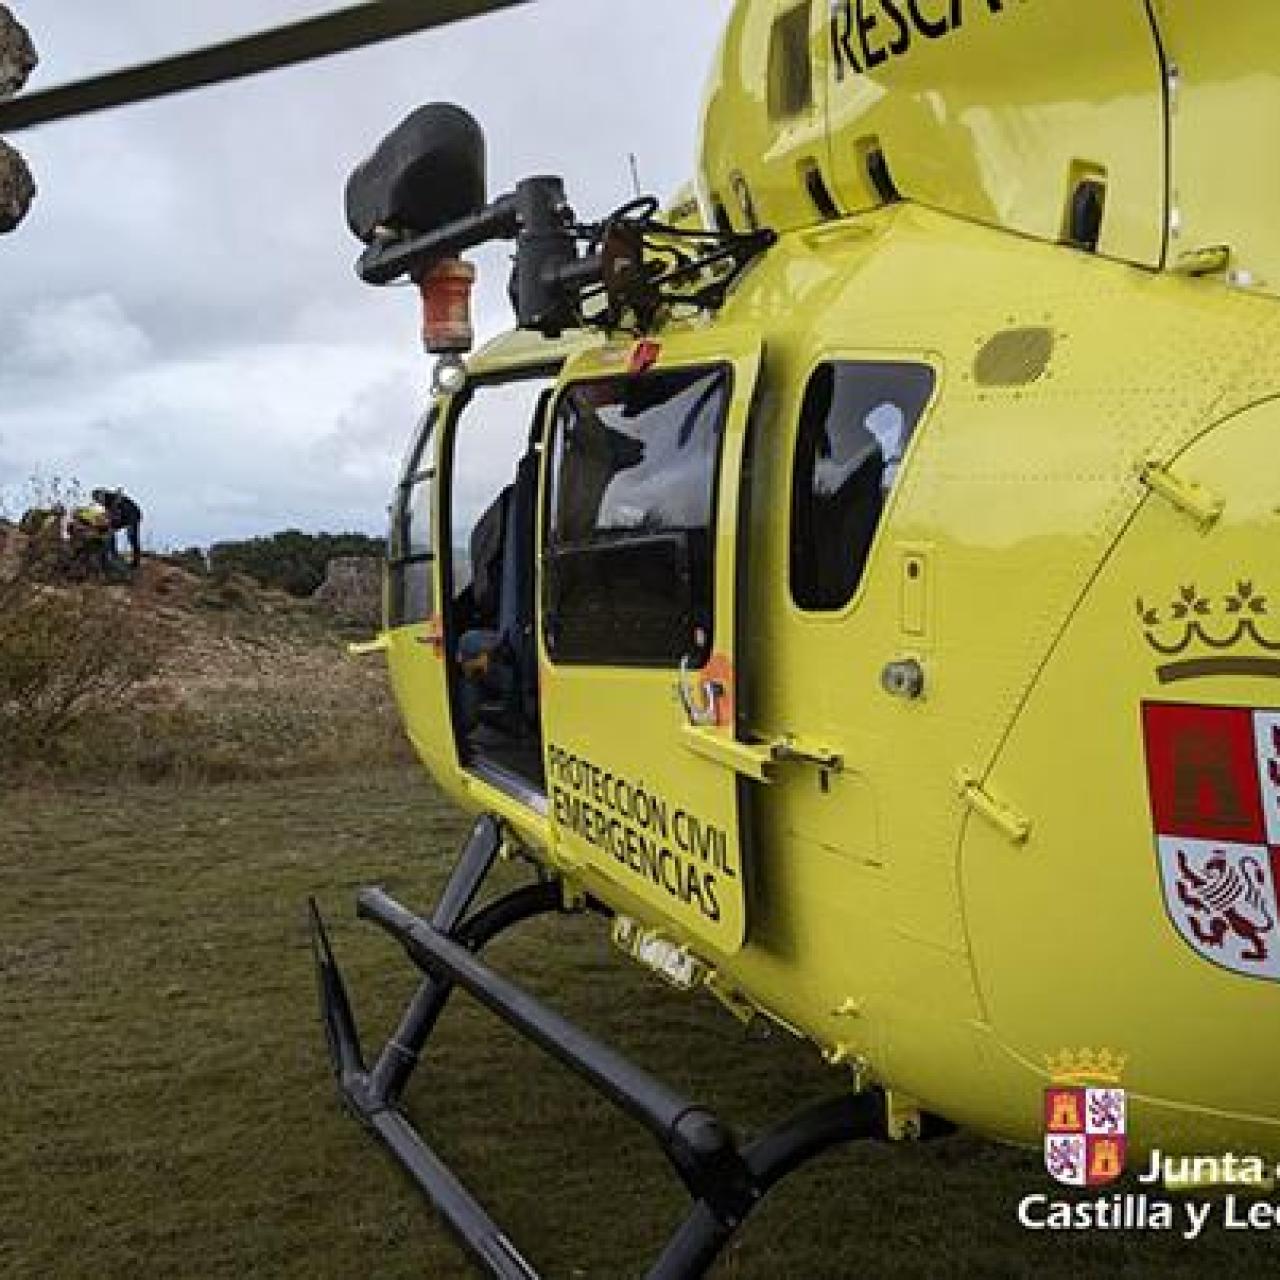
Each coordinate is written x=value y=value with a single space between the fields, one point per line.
x=1085 y=1118
x=1214 y=776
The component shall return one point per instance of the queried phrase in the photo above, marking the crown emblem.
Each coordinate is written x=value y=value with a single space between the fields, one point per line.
x=1085 y=1066
x=1202 y=634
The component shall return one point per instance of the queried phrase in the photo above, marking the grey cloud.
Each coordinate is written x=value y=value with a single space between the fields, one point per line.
x=86 y=334
x=179 y=314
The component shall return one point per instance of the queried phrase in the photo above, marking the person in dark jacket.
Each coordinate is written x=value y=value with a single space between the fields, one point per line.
x=125 y=516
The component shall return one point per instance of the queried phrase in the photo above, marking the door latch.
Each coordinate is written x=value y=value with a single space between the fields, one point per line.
x=1015 y=826
x=1187 y=496
x=759 y=760
x=802 y=751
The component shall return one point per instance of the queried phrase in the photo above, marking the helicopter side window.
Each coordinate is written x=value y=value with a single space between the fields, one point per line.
x=410 y=545
x=628 y=566
x=856 y=424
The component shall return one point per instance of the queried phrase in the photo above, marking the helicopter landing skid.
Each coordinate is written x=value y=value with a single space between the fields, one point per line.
x=725 y=1180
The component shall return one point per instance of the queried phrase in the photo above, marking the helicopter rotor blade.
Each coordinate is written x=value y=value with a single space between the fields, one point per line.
x=345 y=29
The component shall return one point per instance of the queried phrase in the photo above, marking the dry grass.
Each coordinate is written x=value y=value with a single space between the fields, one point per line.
x=184 y=679
x=167 y=1112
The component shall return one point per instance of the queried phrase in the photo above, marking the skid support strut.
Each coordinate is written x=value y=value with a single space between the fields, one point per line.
x=724 y=1180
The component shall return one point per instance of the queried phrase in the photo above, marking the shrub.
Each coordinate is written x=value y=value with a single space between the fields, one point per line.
x=292 y=561
x=68 y=657
x=191 y=560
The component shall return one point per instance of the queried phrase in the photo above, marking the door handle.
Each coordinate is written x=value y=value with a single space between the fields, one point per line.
x=700 y=698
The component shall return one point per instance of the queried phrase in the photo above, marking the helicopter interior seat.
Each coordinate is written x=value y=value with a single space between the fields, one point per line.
x=842 y=477
x=476 y=613
x=849 y=520
x=497 y=655
x=516 y=608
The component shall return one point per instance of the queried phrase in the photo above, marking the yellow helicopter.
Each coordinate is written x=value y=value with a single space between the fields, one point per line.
x=857 y=585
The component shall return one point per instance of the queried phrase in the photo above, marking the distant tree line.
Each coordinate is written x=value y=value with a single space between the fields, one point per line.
x=291 y=561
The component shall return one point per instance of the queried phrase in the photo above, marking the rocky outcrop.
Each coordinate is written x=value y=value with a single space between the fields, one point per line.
x=18 y=57
x=13 y=548
x=352 y=589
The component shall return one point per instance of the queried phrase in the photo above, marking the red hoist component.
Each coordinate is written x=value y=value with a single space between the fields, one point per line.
x=644 y=356
x=446 y=307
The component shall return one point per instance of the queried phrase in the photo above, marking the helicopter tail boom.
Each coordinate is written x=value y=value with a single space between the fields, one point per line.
x=725 y=1180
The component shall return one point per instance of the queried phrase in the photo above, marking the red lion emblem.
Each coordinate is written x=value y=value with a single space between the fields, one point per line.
x=1214 y=778
x=1227 y=899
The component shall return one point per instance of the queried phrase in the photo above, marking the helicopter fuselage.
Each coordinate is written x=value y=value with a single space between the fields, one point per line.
x=885 y=635
x=1008 y=787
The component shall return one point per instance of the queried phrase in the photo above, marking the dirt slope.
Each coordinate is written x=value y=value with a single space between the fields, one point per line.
x=247 y=681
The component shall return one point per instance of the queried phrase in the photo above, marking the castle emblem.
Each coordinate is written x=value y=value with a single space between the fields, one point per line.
x=1214 y=779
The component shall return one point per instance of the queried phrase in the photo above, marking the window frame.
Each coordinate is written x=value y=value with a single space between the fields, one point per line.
x=906 y=469
x=726 y=369
x=458 y=403
x=415 y=478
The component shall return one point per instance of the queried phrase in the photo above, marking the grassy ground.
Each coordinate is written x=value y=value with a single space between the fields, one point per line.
x=166 y=1111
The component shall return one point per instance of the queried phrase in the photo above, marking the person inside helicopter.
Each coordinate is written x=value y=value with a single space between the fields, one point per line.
x=498 y=687
x=494 y=657
x=857 y=421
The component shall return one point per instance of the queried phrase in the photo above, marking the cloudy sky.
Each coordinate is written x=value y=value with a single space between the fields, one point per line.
x=179 y=316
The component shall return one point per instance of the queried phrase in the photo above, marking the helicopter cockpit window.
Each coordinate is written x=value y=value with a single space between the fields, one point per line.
x=856 y=424
x=630 y=529
x=410 y=545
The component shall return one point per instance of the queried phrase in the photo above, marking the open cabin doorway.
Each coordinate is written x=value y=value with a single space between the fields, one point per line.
x=492 y=459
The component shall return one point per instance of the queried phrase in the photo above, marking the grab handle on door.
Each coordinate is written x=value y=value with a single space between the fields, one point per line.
x=699 y=697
